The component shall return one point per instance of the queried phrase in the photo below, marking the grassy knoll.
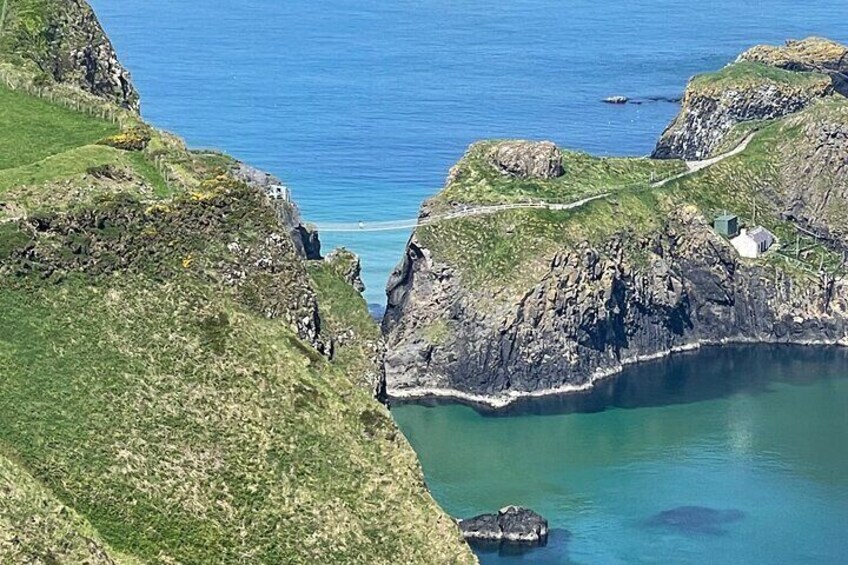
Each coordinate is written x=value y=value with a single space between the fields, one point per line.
x=32 y=129
x=475 y=181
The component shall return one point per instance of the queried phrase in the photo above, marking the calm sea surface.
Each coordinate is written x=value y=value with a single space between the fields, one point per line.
x=362 y=107
x=728 y=456
x=734 y=455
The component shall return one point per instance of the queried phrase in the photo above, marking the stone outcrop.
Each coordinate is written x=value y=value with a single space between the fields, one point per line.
x=348 y=266
x=707 y=115
x=511 y=524
x=596 y=310
x=813 y=69
x=71 y=48
x=527 y=159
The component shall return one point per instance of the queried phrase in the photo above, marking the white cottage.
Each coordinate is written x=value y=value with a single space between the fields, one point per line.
x=753 y=243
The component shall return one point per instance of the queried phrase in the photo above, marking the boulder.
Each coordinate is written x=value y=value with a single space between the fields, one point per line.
x=527 y=159
x=512 y=524
x=616 y=100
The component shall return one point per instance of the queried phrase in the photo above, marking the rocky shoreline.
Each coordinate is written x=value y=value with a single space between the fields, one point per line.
x=415 y=395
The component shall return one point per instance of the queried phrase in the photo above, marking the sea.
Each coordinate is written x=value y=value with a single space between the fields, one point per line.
x=723 y=456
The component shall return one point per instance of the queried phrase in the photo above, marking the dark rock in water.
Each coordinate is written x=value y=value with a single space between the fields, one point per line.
x=696 y=519
x=616 y=100
x=511 y=524
x=669 y=99
x=484 y=527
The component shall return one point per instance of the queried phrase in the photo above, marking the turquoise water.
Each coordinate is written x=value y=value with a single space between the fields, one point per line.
x=734 y=455
x=362 y=107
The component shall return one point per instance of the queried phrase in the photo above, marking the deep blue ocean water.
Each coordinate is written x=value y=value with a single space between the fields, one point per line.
x=362 y=107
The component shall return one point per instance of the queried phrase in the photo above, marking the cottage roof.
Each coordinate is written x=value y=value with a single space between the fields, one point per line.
x=761 y=235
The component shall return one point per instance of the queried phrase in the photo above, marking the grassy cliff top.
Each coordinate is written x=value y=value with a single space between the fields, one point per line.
x=746 y=74
x=812 y=52
x=476 y=181
x=508 y=250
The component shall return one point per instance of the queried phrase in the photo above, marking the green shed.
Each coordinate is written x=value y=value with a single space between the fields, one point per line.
x=727 y=225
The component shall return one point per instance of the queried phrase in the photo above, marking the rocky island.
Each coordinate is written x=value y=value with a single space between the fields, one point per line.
x=184 y=380
x=546 y=297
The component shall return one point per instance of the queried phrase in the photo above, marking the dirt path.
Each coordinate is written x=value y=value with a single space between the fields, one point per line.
x=396 y=225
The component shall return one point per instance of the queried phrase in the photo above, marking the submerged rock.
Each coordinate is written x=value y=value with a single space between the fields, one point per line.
x=696 y=519
x=512 y=524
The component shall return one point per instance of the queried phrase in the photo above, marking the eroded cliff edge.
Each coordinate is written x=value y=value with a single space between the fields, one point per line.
x=528 y=301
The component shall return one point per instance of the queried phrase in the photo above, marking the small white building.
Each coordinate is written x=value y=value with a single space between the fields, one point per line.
x=753 y=243
x=279 y=192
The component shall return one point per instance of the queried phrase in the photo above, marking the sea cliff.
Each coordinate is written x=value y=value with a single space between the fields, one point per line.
x=527 y=301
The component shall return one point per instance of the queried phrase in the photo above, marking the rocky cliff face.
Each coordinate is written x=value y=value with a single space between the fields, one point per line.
x=708 y=116
x=64 y=41
x=764 y=83
x=594 y=311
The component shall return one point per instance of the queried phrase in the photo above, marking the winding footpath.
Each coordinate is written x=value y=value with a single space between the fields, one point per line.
x=692 y=167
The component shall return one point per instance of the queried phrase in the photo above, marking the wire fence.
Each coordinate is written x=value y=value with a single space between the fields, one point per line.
x=78 y=102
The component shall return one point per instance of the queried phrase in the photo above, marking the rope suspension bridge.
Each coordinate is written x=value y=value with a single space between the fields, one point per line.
x=692 y=167
x=396 y=225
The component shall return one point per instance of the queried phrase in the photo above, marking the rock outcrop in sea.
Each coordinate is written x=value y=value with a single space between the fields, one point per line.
x=512 y=524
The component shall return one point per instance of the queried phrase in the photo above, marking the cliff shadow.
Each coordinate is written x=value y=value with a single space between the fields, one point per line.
x=684 y=378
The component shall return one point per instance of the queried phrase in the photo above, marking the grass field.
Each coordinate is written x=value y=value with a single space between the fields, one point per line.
x=32 y=129
x=477 y=182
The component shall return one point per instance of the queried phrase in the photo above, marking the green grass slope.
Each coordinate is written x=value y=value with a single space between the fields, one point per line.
x=32 y=129
x=187 y=428
x=35 y=527
x=163 y=392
